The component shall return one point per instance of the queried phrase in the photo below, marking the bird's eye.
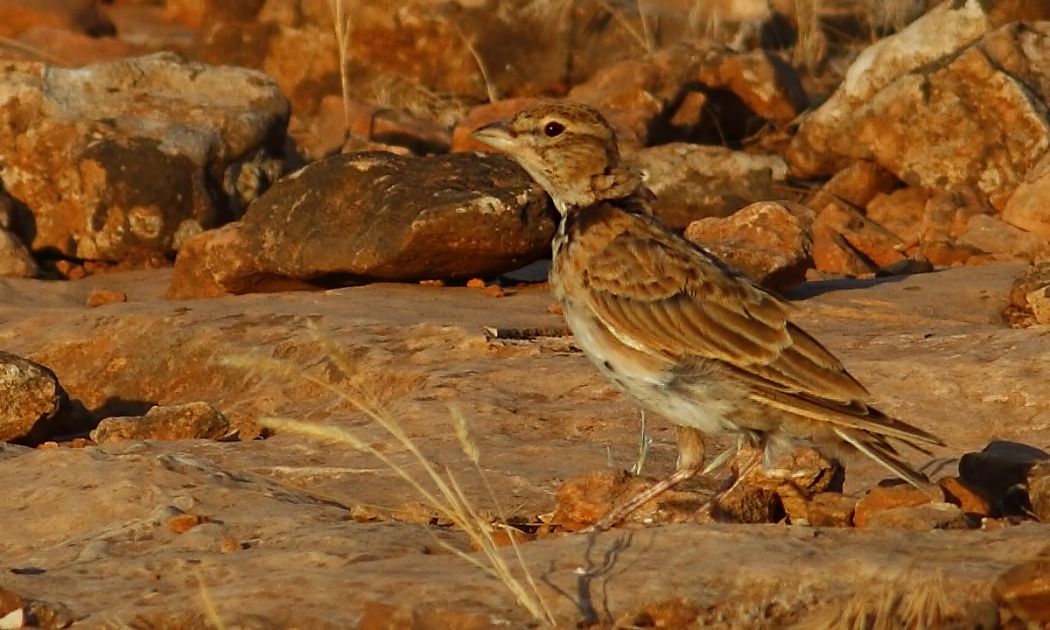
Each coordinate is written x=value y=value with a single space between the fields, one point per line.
x=553 y=129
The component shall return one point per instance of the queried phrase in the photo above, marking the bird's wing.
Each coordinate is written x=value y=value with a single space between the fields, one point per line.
x=658 y=293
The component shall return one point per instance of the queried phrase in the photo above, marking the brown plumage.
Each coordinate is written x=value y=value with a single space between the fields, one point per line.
x=673 y=326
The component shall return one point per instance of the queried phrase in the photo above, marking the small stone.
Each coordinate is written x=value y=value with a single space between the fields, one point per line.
x=1025 y=590
x=70 y=270
x=865 y=237
x=100 y=297
x=1039 y=490
x=432 y=283
x=476 y=283
x=784 y=489
x=995 y=236
x=857 y=184
x=30 y=395
x=968 y=499
x=229 y=544
x=494 y=291
x=924 y=517
x=831 y=509
x=15 y=259
x=583 y=500
x=887 y=497
x=900 y=212
x=197 y=420
x=555 y=309
x=185 y=522
x=768 y=240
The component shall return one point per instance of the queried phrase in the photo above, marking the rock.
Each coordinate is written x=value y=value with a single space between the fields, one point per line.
x=766 y=496
x=847 y=242
x=72 y=49
x=998 y=468
x=961 y=107
x=101 y=297
x=968 y=499
x=768 y=240
x=192 y=421
x=824 y=137
x=831 y=509
x=82 y=16
x=1038 y=481
x=900 y=212
x=643 y=98
x=921 y=517
x=857 y=184
x=1029 y=206
x=887 y=497
x=1025 y=590
x=1027 y=294
x=29 y=396
x=15 y=259
x=693 y=181
x=374 y=216
x=583 y=500
x=993 y=235
x=132 y=182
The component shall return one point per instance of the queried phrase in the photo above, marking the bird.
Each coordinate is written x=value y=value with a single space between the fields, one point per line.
x=678 y=330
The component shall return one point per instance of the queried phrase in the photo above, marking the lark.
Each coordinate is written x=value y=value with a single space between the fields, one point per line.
x=678 y=330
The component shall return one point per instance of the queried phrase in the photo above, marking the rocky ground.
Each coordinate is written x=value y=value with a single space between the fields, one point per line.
x=214 y=213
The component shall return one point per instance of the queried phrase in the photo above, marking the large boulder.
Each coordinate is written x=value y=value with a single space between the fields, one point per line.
x=120 y=160
x=374 y=216
x=945 y=102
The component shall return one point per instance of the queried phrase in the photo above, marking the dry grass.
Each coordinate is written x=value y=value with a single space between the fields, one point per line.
x=902 y=604
x=438 y=488
x=642 y=36
x=342 y=12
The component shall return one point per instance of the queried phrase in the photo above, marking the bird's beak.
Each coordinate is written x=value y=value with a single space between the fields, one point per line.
x=496 y=135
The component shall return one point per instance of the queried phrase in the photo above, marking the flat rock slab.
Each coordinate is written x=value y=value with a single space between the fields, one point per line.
x=291 y=531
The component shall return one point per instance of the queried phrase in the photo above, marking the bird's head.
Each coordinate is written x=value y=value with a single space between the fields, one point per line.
x=569 y=149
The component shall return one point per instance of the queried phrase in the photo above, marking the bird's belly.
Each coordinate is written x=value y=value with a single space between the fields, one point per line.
x=651 y=380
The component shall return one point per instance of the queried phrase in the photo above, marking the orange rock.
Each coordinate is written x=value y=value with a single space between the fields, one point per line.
x=185 y=522
x=1025 y=590
x=967 y=498
x=100 y=297
x=768 y=240
x=901 y=212
x=476 y=283
x=857 y=185
x=494 y=290
x=882 y=498
x=861 y=234
x=831 y=509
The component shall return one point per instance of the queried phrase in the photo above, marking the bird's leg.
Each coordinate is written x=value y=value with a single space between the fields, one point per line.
x=690 y=446
x=644 y=442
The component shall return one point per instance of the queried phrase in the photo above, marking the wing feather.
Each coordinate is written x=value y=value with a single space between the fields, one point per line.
x=659 y=293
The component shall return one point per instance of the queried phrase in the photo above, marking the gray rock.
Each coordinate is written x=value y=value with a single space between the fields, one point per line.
x=150 y=145
x=692 y=182
x=29 y=394
x=374 y=216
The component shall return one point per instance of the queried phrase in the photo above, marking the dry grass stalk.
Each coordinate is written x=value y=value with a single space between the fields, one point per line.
x=341 y=16
x=210 y=611
x=643 y=37
x=902 y=604
x=490 y=87
x=37 y=52
x=449 y=500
